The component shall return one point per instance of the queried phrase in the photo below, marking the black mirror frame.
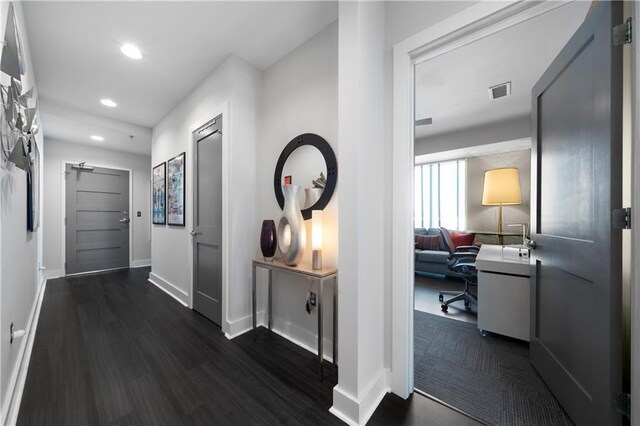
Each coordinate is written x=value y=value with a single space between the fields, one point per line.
x=332 y=170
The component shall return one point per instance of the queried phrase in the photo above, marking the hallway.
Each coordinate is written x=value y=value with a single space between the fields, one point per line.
x=112 y=348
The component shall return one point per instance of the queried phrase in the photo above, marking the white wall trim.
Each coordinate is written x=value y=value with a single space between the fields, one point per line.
x=238 y=327
x=63 y=200
x=173 y=291
x=141 y=263
x=53 y=273
x=473 y=23
x=327 y=343
x=224 y=109
x=245 y=325
x=360 y=411
x=13 y=397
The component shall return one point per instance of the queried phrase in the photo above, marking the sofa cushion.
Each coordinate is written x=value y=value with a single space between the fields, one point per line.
x=420 y=231
x=427 y=242
x=432 y=256
x=460 y=239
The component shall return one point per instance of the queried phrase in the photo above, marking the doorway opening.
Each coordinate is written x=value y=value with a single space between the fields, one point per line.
x=475 y=308
x=96 y=218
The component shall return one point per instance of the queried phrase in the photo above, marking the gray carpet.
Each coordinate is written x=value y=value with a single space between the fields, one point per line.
x=488 y=377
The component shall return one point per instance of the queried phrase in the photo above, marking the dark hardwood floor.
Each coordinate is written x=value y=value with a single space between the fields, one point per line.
x=113 y=349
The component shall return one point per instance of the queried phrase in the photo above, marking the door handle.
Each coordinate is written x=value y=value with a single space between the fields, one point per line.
x=125 y=220
x=531 y=244
x=194 y=233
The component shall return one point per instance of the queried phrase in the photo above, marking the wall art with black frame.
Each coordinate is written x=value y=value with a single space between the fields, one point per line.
x=176 y=190
x=159 y=190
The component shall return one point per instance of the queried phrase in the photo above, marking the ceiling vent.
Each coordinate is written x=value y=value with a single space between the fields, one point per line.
x=500 y=91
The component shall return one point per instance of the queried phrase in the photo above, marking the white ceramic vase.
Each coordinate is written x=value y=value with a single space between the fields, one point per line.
x=292 y=234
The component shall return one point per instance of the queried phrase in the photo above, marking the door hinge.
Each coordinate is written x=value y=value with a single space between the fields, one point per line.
x=622 y=33
x=622 y=218
x=622 y=402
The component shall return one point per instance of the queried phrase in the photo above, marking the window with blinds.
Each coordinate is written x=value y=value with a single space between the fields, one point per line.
x=441 y=195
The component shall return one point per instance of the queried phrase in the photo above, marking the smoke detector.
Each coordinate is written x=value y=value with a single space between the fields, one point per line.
x=500 y=91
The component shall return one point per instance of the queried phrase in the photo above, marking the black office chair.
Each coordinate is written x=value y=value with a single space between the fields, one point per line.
x=462 y=264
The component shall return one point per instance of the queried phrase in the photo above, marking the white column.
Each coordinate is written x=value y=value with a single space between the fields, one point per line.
x=363 y=380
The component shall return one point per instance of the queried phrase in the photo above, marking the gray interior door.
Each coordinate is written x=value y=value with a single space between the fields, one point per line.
x=576 y=273
x=97 y=219
x=207 y=220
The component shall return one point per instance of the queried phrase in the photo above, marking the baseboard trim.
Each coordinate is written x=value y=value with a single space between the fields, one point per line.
x=240 y=326
x=358 y=411
x=13 y=397
x=327 y=344
x=245 y=324
x=173 y=291
x=50 y=274
x=141 y=263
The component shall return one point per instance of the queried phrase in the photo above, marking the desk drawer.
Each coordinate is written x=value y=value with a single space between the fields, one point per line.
x=504 y=304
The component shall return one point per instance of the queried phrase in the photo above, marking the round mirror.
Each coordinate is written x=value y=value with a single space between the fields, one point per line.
x=309 y=162
x=306 y=168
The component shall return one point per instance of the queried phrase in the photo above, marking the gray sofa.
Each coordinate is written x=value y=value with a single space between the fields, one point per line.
x=432 y=261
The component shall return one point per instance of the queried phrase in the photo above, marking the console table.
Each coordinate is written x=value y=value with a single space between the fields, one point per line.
x=503 y=293
x=306 y=271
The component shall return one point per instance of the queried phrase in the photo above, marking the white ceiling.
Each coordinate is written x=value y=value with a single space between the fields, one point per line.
x=453 y=88
x=75 y=48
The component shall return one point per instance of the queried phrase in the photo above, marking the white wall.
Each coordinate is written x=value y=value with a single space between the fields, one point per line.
x=59 y=153
x=299 y=95
x=237 y=82
x=485 y=218
x=20 y=280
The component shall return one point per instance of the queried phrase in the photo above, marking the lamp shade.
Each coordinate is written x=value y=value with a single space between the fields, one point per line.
x=316 y=229
x=501 y=187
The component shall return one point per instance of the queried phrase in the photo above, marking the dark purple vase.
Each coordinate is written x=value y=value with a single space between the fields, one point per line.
x=268 y=239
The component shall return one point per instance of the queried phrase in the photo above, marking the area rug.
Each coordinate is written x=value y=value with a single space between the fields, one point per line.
x=488 y=377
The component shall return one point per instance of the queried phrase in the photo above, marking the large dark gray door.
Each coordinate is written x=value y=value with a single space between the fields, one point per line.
x=97 y=219
x=207 y=220
x=576 y=274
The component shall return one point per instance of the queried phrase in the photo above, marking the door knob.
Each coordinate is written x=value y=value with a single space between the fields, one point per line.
x=194 y=233
x=125 y=220
x=531 y=244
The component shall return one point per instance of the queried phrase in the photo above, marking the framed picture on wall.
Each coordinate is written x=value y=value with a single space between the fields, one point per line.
x=159 y=194
x=175 y=191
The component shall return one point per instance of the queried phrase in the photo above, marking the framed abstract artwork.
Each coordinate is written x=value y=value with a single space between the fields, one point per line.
x=175 y=190
x=159 y=189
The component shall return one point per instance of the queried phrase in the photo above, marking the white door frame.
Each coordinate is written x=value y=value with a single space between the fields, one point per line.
x=226 y=156
x=474 y=23
x=63 y=198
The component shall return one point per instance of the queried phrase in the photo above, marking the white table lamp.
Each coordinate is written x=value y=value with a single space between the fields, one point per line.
x=316 y=238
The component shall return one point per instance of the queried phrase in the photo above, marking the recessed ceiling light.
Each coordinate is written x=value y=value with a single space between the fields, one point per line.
x=108 y=102
x=131 y=51
x=97 y=138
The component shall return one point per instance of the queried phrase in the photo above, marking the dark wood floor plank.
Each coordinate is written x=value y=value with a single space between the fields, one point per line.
x=113 y=349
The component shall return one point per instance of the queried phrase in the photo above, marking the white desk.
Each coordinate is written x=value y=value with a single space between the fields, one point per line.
x=503 y=293
x=306 y=271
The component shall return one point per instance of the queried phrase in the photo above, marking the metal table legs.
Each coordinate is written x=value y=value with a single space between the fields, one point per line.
x=320 y=315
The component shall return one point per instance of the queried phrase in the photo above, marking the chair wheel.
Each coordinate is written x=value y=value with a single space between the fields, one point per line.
x=445 y=308
x=441 y=298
